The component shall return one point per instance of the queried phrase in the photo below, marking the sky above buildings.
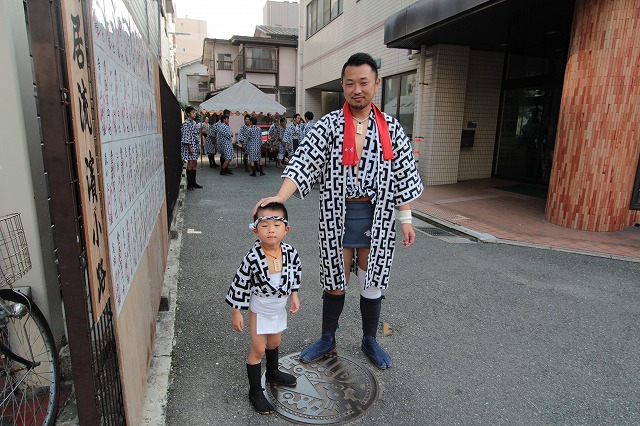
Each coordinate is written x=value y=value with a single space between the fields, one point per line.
x=225 y=18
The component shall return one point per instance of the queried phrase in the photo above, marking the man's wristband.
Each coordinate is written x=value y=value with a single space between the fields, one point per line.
x=404 y=216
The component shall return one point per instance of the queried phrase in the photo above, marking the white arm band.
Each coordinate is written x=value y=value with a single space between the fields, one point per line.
x=404 y=216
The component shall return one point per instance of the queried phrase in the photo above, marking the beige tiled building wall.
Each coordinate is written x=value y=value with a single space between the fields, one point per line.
x=481 y=105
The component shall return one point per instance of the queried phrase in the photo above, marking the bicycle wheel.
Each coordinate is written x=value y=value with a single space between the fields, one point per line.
x=28 y=393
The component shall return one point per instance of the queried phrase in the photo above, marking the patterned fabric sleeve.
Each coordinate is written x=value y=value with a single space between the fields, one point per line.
x=288 y=134
x=240 y=291
x=184 y=131
x=297 y=267
x=408 y=183
x=307 y=164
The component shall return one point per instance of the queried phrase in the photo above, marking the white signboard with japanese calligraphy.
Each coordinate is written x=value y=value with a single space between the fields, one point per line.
x=132 y=152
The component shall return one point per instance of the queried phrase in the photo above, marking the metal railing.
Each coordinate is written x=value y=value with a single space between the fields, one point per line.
x=197 y=94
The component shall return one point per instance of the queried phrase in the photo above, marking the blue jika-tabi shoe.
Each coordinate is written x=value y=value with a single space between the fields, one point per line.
x=324 y=346
x=375 y=353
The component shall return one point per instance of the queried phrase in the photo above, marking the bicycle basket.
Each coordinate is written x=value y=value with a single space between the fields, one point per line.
x=14 y=253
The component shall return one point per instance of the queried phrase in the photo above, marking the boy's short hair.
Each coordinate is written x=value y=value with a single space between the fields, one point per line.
x=254 y=120
x=308 y=115
x=189 y=109
x=274 y=206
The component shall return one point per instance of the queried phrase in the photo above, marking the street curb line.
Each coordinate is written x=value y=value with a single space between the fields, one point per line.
x=159 y=375
x=488 y=238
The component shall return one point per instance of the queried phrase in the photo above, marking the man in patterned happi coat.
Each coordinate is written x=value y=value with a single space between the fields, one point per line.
x=292 y=134
x=224 y=139
x=190 y=144
x=369 y=173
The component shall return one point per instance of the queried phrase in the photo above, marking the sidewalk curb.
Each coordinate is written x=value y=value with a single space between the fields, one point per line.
x=488 y=238
x=159 y=375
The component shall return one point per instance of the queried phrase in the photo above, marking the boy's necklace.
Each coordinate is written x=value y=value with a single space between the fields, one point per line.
x=277 y=264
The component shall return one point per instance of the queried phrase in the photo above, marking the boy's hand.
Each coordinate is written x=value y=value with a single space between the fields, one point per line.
x=295 y=302
x=237 y=321
x=409 y=235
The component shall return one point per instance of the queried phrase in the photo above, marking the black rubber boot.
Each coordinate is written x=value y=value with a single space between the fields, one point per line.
x=212 y=160
x=273 y=374
x=370 y=311
x=332 y=306
x=193 y=180
x=189 y=180
x=253 y=171
x=261 y=171
x=245 y=160
x=256 y=395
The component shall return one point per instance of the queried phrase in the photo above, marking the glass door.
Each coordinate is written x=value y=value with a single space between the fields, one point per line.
x=527 y=134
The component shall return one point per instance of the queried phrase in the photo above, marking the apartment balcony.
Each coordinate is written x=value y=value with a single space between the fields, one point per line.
x=243 y=65
x=197 y=94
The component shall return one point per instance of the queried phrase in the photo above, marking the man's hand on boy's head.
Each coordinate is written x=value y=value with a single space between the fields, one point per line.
x=237 y=321
x=295 y=302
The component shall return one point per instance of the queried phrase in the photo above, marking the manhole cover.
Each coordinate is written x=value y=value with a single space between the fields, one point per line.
x=437 y=232
x=332 y=390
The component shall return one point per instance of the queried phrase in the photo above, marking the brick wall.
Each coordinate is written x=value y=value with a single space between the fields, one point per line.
x=597 y=148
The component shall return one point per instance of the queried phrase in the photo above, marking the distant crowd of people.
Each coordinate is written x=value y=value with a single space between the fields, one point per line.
x=217 y=139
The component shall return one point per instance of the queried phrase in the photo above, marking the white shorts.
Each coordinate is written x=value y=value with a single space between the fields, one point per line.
x=271 y=313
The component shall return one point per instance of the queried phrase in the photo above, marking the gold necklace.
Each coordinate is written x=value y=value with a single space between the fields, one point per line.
x=277 y=264
x=359 y=127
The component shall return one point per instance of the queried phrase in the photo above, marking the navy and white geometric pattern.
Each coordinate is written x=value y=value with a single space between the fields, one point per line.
x=210 y=141
x=224 y=140
x=306 y=127
x=291 y=132
x=242 y=133
x=252 y=277
x=190 y=136
x=253 y=141
x=397 y=183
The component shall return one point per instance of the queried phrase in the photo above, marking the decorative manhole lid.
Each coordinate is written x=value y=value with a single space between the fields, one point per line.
x=332 y=390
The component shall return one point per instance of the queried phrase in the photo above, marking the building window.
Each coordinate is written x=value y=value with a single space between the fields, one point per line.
x=198 y=86
x=320 y=13
x=224 y=61
x=398 y=99
x=260 y=59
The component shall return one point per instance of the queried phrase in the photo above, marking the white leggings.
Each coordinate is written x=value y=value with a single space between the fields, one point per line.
x=371 y=292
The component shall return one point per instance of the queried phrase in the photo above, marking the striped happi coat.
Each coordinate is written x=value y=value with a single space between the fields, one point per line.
x=398 y=183
x=252 y=277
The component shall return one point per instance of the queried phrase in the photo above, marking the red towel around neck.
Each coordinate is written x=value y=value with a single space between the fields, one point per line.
x=349 y=155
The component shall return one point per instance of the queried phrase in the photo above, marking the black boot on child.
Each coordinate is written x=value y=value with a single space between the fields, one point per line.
x=273 y=374
x=256 y=395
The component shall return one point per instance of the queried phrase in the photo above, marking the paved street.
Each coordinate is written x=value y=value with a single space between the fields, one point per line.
x=482 y=333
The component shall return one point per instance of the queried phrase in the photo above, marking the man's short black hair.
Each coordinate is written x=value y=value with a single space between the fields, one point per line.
x=247 y=116
x=283 y=119
x=226 y=112
x=296 y=115
x=188 y=109
x=308 y=115
x=224 y=117
x=358 y=59
x=254 y=120
x=273 y=206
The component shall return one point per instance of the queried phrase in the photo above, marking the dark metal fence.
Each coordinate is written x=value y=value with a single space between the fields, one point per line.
x=171 y=121
x=96 y=373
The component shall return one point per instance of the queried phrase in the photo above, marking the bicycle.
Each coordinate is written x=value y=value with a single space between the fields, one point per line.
x=29 y=364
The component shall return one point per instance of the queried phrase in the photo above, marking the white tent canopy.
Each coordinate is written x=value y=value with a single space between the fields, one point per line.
x=242 y=98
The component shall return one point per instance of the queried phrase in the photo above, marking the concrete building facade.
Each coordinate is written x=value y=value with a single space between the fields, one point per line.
x=538 y=92
x=189 y=34
x=281 y=14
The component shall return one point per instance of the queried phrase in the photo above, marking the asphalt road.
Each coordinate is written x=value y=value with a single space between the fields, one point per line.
x=483 y=334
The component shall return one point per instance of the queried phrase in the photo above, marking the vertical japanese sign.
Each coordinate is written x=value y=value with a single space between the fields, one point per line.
x=132 y=158
x=87 y=153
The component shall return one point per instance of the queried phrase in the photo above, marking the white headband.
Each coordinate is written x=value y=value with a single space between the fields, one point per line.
x=258 y=220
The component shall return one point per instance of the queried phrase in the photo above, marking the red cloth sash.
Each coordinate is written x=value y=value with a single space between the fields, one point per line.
x=349 y=155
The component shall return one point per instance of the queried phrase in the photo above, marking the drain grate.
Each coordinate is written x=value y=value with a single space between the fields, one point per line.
x=437 y=232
